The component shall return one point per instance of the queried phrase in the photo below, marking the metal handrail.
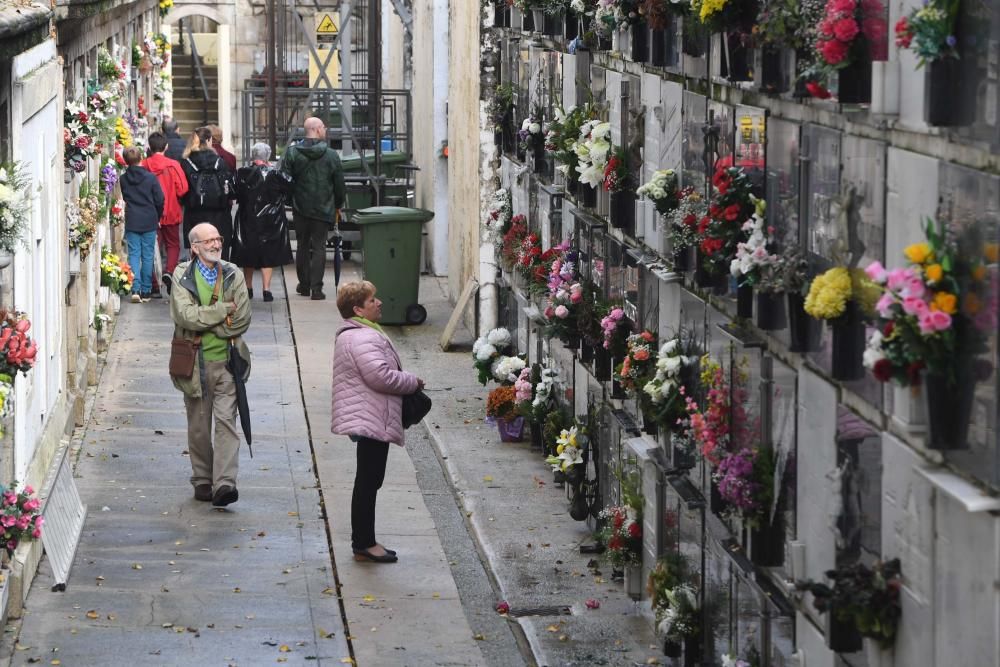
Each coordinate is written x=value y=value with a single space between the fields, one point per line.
x=196 y=59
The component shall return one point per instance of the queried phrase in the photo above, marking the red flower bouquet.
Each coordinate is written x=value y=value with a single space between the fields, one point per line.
x=721 y=230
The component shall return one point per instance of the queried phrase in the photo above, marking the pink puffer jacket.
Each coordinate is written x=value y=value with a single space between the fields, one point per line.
x=368 y=385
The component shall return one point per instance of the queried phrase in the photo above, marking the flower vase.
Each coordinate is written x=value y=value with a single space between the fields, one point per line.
x=947 y=100
x=805 y=331
x=538 y=156
x=692 y=651
x=7 y=258
x=657 y=48
x=527 y=21
x=649 y=426
x=571 y=26
x=716 y=503
x=848 y=344
x=633 y=581
x=617 y=390
x=773 y=78
x=767 y=544
x=602 y=364
x=694 y=38
x=586 y=352
x=770 y=311
x=501 y=14
x=586 y=196
x=639 y=51
x=578 y=508
x=622 y=211
x=537 y=20
x=909 y=409
x=949 y=407
x=854 y=82
x=553 y=25
x=672 y=649
x=535 y=430
x=841 y=637
x=684 y=259
x=682 y=459
x=744 y=302
x=510 y=429
x=876 y=656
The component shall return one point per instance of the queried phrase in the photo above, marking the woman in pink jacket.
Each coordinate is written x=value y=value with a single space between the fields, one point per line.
x=368 y=389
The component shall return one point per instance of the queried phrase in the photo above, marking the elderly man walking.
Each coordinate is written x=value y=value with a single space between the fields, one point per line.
x=211 y=309
x=317 y=193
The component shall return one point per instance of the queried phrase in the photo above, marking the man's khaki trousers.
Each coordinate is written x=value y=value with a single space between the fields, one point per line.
x=214 y=465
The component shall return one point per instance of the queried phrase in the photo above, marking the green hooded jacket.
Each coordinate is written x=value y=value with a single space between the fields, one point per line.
x=317 y=179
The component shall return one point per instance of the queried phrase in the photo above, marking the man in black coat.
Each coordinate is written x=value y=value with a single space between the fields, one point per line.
x=175 y=142
x=143 y=209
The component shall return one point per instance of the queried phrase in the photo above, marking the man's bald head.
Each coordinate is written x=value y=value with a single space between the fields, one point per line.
x=315 y=128
x=206 y=242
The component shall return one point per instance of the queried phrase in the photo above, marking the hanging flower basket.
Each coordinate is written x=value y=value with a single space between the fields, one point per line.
x=744 y=302
x=511 y=430
x=949 y=407
x=771 y=311
x=947 y=100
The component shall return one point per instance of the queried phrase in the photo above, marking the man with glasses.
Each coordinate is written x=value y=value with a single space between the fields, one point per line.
x=317 y=193
x=211 y=308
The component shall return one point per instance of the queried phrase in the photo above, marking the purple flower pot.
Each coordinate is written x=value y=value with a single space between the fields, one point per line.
x=510 y=429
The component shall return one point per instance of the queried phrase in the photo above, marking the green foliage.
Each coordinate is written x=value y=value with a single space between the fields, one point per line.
x=866 y=597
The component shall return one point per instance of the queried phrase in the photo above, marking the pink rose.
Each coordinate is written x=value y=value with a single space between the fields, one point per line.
x=22 y=326
x=845 y=29
x=31 y=505
x=877 y=272
x=897 y=278
x=36 y=533
x=23 y=522
x=562 y=312
x=7 y=521
x=39 y=521
x=914 y=306
x=933 y=321
x=549 y=312
x=884 y=305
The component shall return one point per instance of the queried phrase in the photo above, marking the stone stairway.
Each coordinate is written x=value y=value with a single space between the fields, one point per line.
x=189 y=106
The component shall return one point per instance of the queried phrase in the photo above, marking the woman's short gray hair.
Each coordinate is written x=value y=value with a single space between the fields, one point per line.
x=260 y=151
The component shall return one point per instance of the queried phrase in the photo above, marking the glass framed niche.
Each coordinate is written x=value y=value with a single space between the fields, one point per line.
x=720 y=137
x=970 y=204
x=782 y=182
x=599 y=259
x=615 y=271
x=779 y=387
x=858 y=527
x=584 y=225
x=648 y=316
x=694 y=112
x=750 y=150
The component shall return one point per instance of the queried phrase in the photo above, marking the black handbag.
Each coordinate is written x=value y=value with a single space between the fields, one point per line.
x=415 y=408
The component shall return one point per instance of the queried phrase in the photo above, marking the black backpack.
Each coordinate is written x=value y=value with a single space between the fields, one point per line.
x=209 y=187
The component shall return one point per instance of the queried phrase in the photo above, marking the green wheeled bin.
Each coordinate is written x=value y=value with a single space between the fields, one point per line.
x=390 y=241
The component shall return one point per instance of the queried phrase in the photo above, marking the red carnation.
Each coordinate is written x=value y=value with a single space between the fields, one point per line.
x=882 y=370
x=846 y=29
x=703 y=224
x=722 y=180
x=841 y=7
x=82 y=115
x=635 y=530
x=889 y=328
x=904 y=35
x=833 y=51
x=714 y=211
x=732 y=212
x=691 y=220
x=615 y=543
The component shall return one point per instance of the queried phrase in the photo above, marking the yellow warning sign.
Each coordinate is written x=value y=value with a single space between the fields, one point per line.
x=325 y=25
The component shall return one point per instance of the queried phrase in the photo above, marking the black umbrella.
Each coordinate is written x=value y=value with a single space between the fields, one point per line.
x=338 y=242
x=237 y=365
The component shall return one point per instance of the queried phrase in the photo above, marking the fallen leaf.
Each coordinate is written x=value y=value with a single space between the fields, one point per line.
x=293 y=514
x=55 y=662
x=436 y=596
x=237 y=590
x=92 y=614
x=478 y=637
x=328 y=591
x=21 y=647
x=502 y=607
x=167 y=625
x=563 y=638
x=323 y=634
x=369 y=598
x=284 y=648
x=652 y=661
x=136 y=566
x=347 y=661
x=553 y=628
x=488 y=478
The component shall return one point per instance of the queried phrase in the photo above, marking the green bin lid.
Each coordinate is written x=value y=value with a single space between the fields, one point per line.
x=380 y=214
x=352 y=163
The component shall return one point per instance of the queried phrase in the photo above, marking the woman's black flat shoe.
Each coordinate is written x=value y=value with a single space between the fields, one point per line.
x=363 y=555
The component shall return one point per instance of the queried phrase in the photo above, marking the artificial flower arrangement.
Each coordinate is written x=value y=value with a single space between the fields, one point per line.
x=683 y=223
x=164 y=7
x=929 y=30
x=565 y=298
x=123 y=133
x=6 y=400
x=934 y=314
x=788 y=273
x=115 y=272
x=563 y=134
x=745 y=479
x=15 y=209
x=117 y=212
x=489 y=355
x=849 y=31
x=788 y=24
x=617 y=175
x=725 y=15
x=831 y=291
x=109 y=176
x=163 y=89
x=615 y=330
x=752 y=258
x=592 y=147
x=82 y=218
x=501 y=403
x=501 y=106
x=156 y=46
x=665 y=394
x=867 y=598
x=520 y=249
x=721 y=230
x=81 y=129
x=534 y=392
x=531 y=136
x=662 y=190
x=658 y=13
x=720 y=424
x=17 y=349
x=674 y=601
x=569 y=449
x=552 y=426
x=20 y=517
x=621 y=535
x=110 y=68
x=639 y=364
x=498 y=215
x=612 y=15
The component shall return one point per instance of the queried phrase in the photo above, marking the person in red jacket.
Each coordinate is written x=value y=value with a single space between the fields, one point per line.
x=226 y=156
x=175 y=185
